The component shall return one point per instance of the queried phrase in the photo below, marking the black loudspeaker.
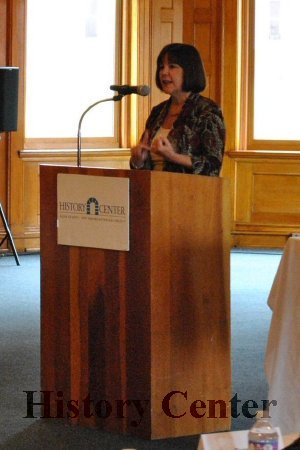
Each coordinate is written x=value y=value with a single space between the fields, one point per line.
x=9 y=90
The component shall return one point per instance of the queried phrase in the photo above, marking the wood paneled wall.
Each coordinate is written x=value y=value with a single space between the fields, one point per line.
x=266 y=197
x=265 y=187
x=160 y=22
x=202 y=27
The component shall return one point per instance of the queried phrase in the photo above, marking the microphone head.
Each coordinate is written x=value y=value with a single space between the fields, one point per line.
x=143 y=90
x=126 y=89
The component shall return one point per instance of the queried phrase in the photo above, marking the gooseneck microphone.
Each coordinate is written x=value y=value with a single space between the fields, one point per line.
x=125 y=89
x=122 y=91
x=114 y=99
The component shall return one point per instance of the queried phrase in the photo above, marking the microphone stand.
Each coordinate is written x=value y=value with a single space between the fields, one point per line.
x=115 y=98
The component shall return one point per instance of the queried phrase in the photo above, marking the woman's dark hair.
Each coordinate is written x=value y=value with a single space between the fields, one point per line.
x=187 y=57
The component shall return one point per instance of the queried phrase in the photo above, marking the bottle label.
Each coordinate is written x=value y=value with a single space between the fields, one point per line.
x=263 y=445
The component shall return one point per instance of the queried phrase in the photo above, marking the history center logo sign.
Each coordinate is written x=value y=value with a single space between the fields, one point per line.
x=93 y=211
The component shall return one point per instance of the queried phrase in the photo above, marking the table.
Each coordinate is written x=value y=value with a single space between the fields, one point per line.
x=282 y=359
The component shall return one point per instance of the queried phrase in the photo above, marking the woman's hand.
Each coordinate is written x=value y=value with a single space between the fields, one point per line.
x=139 y=153
x=163 y=147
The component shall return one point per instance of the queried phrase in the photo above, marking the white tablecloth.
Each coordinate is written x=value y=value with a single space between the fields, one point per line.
x=282 y=360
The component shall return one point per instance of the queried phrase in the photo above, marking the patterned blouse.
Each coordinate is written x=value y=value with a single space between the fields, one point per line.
x=199 y=132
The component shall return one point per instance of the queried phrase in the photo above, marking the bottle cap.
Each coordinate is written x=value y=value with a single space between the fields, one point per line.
x=260 y=414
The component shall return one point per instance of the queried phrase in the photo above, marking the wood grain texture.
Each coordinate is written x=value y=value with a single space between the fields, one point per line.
x=266 y=201
x=138 y=325
x=203 y=27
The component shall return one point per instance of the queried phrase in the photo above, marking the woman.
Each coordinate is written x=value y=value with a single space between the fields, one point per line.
x=186 y=133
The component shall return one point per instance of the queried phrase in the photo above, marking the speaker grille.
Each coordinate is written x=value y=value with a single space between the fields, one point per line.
x=9 y=88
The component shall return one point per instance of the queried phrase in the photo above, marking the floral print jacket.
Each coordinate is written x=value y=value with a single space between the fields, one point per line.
x=199 y=132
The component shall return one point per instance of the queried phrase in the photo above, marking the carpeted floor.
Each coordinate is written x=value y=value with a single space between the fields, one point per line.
x=252 y=274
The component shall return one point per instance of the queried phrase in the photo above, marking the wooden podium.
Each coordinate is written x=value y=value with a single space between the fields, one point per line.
x=137 y=337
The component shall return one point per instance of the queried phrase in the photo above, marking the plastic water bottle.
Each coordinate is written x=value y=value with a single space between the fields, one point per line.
x=262 y=435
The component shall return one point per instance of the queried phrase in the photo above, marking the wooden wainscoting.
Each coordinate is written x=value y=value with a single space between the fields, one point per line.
x=266 y=198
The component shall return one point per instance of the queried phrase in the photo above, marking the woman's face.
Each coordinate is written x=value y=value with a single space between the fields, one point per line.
x=171 y=77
